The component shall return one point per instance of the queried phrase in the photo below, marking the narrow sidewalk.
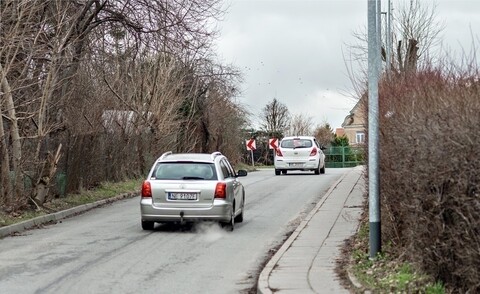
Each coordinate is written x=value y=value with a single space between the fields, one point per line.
x=306 y=261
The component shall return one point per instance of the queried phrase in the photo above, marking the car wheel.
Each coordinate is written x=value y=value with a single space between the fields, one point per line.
x=239 y=218
x=230 y=226
x=317 y=171
x=322 y=170
x=148 y=226
x=284 y=172
x=277 y=172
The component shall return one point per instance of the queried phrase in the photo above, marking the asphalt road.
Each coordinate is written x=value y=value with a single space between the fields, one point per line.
x=106 y=251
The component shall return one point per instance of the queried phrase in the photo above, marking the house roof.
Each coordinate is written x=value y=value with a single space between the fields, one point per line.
x=350 y=118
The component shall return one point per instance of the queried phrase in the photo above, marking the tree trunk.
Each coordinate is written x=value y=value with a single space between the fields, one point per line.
x=15 y=134
x=48 y=171
x=5 y=184
x=412 y=56
x=399 y=57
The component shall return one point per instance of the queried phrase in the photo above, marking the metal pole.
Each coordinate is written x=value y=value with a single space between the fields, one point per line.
x=379 y=35
x=373 y=138
x=253 y=162
x=388 y=40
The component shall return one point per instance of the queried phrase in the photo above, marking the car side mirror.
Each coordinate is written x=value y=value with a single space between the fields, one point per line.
x=241 y=173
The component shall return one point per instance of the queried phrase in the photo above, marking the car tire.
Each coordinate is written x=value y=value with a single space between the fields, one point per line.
x=322 y=170
x=284 y=172
x=147 y=225
x=277 y=172
x=239 y=218
x=317 y=170
x=230 y=226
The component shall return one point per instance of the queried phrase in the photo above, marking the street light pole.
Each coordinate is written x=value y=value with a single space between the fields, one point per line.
x=374 y=69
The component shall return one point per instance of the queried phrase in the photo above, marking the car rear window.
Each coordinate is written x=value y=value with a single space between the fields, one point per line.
x=296 y=143
x=184 y=171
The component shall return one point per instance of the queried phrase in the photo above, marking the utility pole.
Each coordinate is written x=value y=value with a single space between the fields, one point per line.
x=374 y=70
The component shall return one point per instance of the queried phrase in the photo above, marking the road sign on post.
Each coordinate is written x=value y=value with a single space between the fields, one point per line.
x=273 y=143
x=251 y=146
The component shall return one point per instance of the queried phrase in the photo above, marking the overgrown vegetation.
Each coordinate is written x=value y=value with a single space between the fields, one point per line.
x=105 y=190
x=430 y=172
x=94 y=91
x=430 y=183
x=429 y=165
x=386 y=273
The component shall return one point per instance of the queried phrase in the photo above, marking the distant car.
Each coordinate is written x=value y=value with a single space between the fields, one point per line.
x=299 y=153
x=189 y=187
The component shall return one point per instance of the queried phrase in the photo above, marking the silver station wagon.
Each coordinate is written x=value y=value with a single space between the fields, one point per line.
x=189 y=187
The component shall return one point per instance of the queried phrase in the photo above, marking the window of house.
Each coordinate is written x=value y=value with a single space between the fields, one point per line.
x=360 y=138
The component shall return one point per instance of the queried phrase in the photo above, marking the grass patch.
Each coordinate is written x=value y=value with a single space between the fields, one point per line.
x=105 y=190
x=247 y=167
x=10 y=219
x=386 y=273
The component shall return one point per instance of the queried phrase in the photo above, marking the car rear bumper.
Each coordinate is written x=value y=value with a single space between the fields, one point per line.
x=295 y=165
x=219 y=211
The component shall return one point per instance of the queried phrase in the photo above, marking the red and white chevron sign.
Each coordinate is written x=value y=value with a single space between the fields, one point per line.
x=251 y=144
x=273 y=143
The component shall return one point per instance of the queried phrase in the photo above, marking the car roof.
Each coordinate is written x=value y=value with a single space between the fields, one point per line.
x=203 y=157
x=298 y=137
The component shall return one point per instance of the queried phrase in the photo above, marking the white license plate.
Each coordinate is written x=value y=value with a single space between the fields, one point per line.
x=182 y=196
x=296 y=164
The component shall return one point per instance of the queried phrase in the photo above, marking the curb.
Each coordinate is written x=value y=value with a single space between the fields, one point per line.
x=262 y=285
x=354 y=281
x=54 y=217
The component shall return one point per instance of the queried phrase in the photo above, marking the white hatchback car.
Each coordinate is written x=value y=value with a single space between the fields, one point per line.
x=299 y=153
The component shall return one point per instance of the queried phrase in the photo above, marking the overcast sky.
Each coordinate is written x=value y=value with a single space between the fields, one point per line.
x=294 y=50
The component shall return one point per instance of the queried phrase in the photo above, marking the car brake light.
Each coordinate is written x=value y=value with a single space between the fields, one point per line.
x=278 y=152
x=314 y=152
x=146 y=190
x=221 y=190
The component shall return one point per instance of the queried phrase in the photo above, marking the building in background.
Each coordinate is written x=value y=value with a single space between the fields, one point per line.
x=354 y=125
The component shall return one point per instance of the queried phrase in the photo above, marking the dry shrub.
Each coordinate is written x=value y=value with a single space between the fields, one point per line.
x=430 y=173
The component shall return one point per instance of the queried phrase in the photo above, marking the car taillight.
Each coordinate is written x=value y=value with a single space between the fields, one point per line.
x=278 y=152
x=221 y=190
x=314 y=152
x=146 y=190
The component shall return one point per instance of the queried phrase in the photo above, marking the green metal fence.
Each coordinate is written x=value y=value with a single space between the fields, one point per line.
x=58 y=188
x=344 y=156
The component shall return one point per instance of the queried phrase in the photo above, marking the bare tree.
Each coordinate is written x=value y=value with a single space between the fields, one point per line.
x=324 y=134
x=301 y=125
x=16 y=17
x=415 y=34
x=154 y=46
x=276 y=118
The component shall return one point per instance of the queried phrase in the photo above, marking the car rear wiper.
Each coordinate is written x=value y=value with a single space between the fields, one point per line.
x=193 y=178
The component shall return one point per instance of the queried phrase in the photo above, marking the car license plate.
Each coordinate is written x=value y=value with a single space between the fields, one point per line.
x=182 y=196
x=296 y=164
